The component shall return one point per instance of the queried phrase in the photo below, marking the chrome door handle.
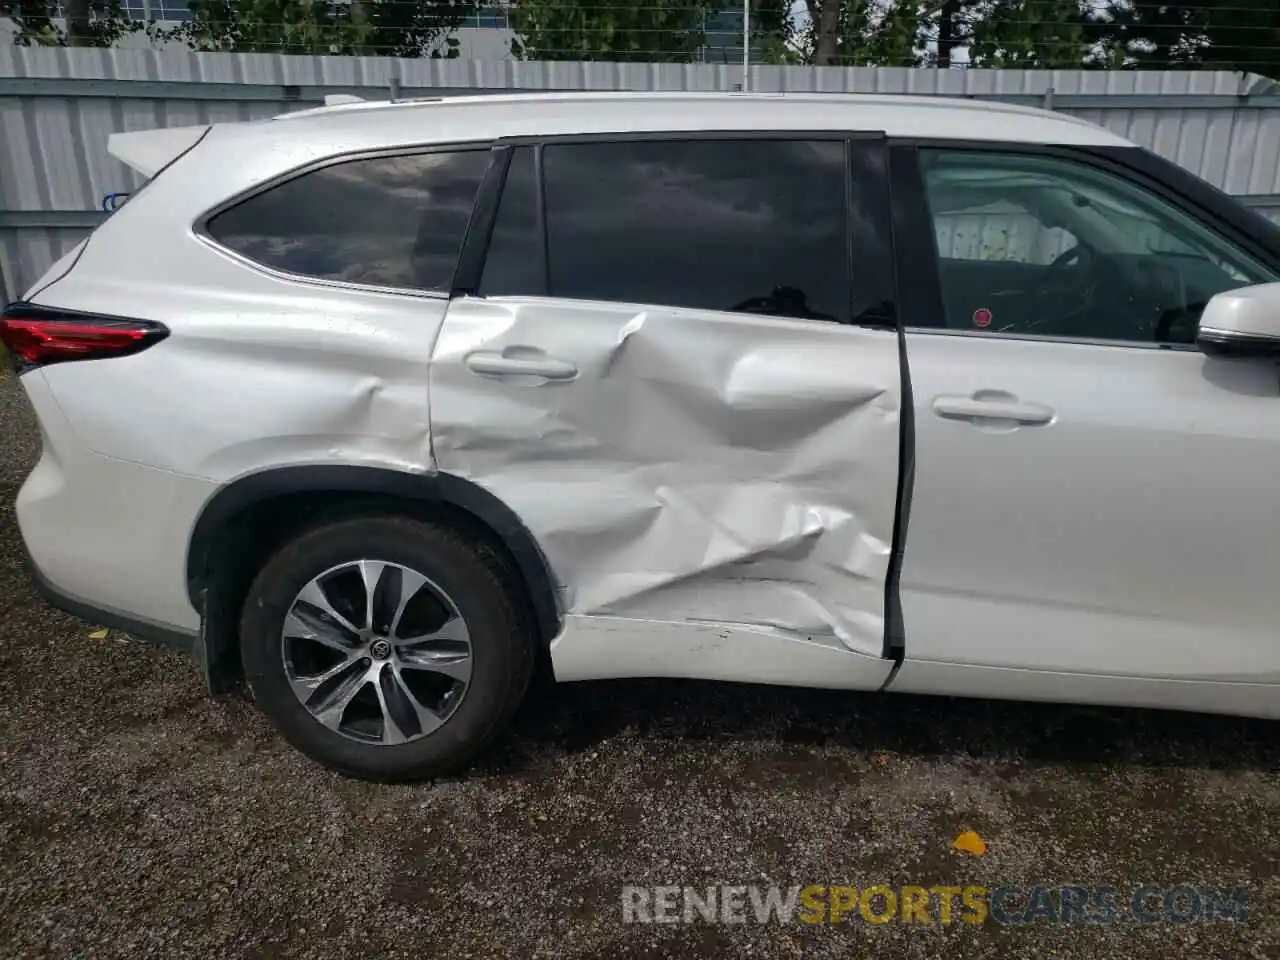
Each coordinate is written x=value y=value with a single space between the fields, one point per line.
x=500 y=365
x=992 y=406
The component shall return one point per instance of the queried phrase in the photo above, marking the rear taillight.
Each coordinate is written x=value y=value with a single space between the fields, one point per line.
x=37 y=336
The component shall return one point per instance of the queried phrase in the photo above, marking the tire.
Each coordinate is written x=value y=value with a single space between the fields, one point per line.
x=463 y=580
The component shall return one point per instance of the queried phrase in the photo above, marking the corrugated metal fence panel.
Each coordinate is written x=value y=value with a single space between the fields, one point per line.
x=53 y=150
x=257 y=68
x=1237 y=150
x=27 y=253
x=53 y=147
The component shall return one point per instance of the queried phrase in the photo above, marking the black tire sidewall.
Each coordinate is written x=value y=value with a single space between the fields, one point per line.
x=502 y=656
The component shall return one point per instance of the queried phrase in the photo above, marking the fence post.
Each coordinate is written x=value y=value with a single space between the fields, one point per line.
x=746 y=45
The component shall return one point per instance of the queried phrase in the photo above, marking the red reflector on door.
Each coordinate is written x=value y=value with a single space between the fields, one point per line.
x=35 y=336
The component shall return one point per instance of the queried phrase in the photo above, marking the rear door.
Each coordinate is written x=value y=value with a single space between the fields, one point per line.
x=678 y=364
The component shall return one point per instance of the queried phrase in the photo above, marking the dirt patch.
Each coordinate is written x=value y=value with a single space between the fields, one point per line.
x=139 y=818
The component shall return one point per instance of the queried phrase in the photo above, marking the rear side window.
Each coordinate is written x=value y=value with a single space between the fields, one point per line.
x=748 y=225
x=384 y=221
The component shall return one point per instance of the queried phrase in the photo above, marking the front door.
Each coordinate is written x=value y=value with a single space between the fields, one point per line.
x=660 y=373
x=1092 y=494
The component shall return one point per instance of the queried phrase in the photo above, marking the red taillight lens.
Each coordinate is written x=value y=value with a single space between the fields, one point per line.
x=35 y=336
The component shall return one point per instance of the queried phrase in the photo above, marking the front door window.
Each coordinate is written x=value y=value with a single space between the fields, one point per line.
x=1053 y=247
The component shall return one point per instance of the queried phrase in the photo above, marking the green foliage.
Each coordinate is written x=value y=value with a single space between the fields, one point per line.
x=1027 y=34
x=1239 y=35
x=774 y=32
x=278 y=26
x=862 y=34
x=641 y=31
x=387 y=28
x=894 y=37
x=104 y=23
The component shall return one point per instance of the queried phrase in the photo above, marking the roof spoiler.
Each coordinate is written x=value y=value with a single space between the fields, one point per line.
x=150 y=151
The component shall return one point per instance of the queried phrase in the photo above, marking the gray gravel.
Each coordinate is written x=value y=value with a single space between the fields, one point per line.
x=139 y=818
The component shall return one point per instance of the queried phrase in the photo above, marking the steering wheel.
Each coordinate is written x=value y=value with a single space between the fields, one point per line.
x=1056 y=289
x=1064 y=259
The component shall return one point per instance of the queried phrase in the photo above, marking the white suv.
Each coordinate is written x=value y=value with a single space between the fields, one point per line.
x=378 y=404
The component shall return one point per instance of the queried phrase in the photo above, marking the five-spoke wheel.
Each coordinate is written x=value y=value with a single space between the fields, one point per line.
x=386 y=647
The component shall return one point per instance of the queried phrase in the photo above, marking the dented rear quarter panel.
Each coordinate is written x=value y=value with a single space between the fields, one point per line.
x=293 y=379
x=298 y=371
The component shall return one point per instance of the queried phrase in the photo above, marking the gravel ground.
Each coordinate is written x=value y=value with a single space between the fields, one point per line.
x=139 y=818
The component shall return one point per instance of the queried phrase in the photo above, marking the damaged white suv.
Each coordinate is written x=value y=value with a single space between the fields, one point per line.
x=378 y=404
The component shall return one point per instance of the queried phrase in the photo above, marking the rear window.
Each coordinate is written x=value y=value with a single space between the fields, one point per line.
x=749 y=226
x=385 y=221
x=753 y=226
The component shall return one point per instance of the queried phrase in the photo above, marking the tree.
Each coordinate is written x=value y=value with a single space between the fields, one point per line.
x=89 y=23
x=826 y=15
x=1029 y=34
x=1242 y=35
x=1239 y=35
x=398 y=28
x=1058 y=34
x=660 y=31
x=949 y=30
x=858 y=33
x=78 y=17
x=774 y=32
x=894 y=37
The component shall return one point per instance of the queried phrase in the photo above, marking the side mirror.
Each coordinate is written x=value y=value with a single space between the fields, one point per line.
x=1243 y=323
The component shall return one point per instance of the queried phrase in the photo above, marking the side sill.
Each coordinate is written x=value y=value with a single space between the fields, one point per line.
x=1229 y=697
x=617 y=648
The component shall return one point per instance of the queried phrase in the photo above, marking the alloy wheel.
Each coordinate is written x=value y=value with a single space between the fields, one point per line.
x=376 y=652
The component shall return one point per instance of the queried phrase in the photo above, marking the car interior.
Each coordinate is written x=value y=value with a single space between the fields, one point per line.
x=1038 y=252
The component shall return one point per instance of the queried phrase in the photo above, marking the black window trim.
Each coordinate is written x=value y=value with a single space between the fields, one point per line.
x=480 y=231
x=200 y=228
x=632 y=136
x=923 y=309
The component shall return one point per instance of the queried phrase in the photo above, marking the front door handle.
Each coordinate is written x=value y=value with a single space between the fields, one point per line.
x=988 y=405
x=503 y=365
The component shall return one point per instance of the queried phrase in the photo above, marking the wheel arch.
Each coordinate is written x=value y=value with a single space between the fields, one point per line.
x=222 y=533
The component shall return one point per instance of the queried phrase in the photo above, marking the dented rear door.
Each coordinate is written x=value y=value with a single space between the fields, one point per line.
x=678 y=365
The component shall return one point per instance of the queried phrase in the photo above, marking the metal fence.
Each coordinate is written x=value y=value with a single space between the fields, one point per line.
x=58 y=106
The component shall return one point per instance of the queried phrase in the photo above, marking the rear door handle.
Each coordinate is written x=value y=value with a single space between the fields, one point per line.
x=992 y=405
x=500 y=365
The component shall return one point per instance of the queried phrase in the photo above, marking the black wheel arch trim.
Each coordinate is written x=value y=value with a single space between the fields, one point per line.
x=441 y=488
